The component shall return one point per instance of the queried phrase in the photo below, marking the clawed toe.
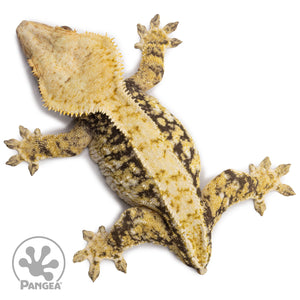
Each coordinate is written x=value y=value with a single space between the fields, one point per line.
x=260 y=206
x=285 y=190
x=14 y=160
x=12 y=143
x=33 y=167
x=170 y=27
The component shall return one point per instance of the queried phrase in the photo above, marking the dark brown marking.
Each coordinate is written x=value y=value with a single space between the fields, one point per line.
x=69 y=152
x=155 y=52
x=43 y=149
x=149 y=193
x=32 y=157
x=157 y=69
x=168 y=128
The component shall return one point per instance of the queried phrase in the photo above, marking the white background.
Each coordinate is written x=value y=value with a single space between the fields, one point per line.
x=233 y=82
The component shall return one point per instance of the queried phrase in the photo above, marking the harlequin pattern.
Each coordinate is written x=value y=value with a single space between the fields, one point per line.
x=143 y=151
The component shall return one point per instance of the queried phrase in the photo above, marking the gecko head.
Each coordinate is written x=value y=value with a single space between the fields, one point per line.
x=76 y=71
x=35 y=36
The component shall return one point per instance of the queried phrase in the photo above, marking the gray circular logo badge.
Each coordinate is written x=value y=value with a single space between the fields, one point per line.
x=39 y=263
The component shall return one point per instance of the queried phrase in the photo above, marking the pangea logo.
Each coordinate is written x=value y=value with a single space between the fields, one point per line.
x=39 y=263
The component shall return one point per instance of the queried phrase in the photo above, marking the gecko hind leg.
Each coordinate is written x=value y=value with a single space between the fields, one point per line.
x=231 y=187
x=136 y=225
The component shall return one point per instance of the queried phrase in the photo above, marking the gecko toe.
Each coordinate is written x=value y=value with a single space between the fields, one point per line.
x=285 y=190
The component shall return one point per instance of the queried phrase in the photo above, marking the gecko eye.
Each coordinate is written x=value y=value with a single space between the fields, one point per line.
x=66 y=28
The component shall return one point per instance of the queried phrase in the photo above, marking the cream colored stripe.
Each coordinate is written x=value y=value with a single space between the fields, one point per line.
x=172 y=179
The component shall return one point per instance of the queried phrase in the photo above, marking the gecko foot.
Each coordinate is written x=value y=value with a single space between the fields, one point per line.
x=269 y=179
x=26 y=149
x=98 y=249
x=157 y=35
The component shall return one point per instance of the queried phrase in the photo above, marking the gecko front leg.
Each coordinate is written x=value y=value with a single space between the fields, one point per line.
x=153 y=44
x=231 y=187
x=136 y=225
x=35 y=146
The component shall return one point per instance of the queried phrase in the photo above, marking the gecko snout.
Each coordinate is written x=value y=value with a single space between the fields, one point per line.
x=32 y=35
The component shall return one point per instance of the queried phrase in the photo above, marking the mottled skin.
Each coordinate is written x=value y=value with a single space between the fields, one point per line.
x=144 y=152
